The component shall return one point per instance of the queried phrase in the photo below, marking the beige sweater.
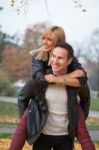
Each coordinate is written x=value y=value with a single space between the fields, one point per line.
x=57 y=122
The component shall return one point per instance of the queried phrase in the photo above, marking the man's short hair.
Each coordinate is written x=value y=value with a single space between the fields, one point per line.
x=67 y=47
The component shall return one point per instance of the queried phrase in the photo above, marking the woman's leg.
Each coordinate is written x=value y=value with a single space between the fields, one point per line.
x=82 y=133
x=20 y=134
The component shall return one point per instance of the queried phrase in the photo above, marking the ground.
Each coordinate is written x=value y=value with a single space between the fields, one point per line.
x=4 y=145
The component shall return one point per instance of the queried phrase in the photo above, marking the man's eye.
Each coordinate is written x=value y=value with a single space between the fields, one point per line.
x=53 y=56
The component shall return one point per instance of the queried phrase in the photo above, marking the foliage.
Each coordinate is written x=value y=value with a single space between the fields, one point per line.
x=5 y=39
x=94 y=80
x=90 y=54
x=22 y=4
x=2 y=43
x=16 y=63
x=16 y=60
x=5 y=143
x=5 y=87
x=32 y=36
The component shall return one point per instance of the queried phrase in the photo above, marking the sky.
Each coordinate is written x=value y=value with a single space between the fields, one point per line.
x=78 y=25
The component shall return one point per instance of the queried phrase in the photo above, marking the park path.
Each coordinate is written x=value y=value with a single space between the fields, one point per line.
x=10 y=129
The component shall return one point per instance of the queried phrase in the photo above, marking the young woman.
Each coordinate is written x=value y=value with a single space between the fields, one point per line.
x=41 y=65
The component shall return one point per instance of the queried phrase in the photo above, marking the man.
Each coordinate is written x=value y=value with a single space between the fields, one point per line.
x=52 y=113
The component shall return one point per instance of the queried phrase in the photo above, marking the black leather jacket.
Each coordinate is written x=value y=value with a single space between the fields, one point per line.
x=34 y=90
x=38 y=110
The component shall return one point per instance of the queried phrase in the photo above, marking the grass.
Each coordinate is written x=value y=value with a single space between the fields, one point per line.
x=93 y=123
x=95 y=104
x=9 y=113
x=8 y=109
x=9 y=116
x=5 y=135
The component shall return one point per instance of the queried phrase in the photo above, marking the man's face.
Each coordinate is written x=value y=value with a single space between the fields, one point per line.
x=60 y=61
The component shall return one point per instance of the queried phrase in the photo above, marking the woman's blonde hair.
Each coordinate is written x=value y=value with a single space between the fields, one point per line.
x=56 y=33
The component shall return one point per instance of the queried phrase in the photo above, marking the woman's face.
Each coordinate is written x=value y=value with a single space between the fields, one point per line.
x=48 y=43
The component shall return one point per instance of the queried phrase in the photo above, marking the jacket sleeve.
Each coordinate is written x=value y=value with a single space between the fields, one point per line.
x=84 y=94
x=38 y=68
x=75 y=65
x=26 y=93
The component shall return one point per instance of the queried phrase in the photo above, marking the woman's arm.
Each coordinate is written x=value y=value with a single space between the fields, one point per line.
x=75 y=77
x=84 y=94
x=75 y=65
x=38 y=68
x=64 y=80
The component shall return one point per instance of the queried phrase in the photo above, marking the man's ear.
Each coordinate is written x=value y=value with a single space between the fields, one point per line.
x=70 y=60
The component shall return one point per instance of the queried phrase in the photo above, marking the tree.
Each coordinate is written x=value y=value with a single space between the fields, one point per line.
x=6 y=88
x=33 y=35
x=5 y=39
x=2 y=43
x=93 y=57
x=16 y=63
x=24 y=3
x=90 y=53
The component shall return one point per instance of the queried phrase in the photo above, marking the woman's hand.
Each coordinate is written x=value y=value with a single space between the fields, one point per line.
x=76 y=74
x=67 y=79
x=50 y=78
x=54 y=79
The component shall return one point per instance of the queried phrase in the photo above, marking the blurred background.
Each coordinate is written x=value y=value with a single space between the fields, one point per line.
x=21 y=25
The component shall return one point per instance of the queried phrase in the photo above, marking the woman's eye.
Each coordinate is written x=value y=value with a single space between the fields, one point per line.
x=49 y=39
x=43 y=38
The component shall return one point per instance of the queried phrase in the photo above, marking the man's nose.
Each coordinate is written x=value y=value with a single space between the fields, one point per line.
x=55 y=60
